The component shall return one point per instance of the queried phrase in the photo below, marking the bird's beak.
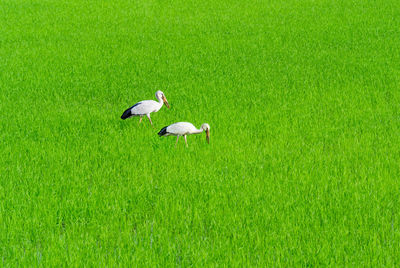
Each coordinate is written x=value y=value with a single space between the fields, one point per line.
x=165 y=101
x=208 y=136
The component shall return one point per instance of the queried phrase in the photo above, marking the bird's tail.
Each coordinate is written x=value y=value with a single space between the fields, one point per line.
x=163 y=131
x=126 y=114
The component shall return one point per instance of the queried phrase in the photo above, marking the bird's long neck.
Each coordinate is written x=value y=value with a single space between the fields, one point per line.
x=160 y=101
x=197 y=131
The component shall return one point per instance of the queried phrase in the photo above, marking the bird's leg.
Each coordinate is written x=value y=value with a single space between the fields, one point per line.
x=141 y=117
x=177 y=138
x=148 y=116
x=185 y=140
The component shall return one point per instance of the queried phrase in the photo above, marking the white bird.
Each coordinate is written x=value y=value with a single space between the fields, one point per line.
x=183 y=129
x=146 y=107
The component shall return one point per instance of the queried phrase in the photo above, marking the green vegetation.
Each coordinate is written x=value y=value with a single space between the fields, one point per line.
x=303 y=101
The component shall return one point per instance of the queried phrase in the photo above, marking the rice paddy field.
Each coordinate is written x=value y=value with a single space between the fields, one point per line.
x=303 y=100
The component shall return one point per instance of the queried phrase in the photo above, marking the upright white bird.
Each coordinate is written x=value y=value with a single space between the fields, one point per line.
x=146 y=107
x=183 y=129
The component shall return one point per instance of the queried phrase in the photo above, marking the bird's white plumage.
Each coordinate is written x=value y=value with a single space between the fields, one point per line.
x=146 y=107
x=184 y=129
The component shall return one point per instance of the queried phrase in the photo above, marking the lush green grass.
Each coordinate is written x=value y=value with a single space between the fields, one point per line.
x=303 y=99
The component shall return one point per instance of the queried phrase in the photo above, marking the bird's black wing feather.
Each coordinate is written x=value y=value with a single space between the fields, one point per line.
x=128 y=112
x=163 y=131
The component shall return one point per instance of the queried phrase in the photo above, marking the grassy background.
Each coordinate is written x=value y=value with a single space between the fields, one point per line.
x=303 y=101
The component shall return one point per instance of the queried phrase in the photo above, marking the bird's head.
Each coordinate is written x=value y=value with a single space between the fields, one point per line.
x=160 y=96
x=206 y=128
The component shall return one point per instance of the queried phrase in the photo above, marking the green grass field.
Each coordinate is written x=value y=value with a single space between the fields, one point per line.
x=303 y=165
